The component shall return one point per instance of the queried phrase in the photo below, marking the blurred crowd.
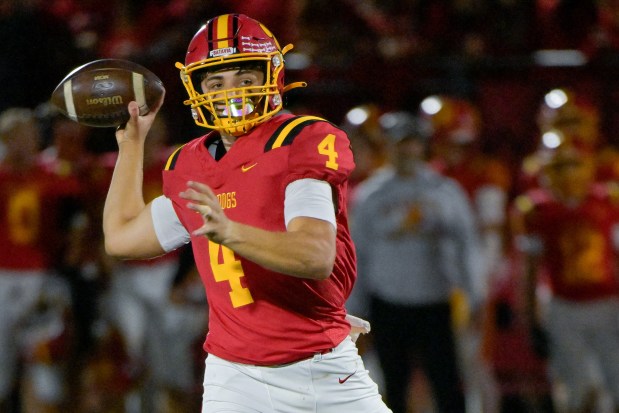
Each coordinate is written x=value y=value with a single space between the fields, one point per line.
x=504 y=108
x=507 y=277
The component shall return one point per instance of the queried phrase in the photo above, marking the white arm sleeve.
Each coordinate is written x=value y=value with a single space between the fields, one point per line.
x=170 y=232
x=309 y=198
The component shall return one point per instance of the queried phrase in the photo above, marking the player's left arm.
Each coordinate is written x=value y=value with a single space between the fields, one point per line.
x=307 y=248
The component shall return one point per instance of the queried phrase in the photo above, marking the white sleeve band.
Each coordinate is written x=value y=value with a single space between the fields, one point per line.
x=309 y=198
x=170 y=232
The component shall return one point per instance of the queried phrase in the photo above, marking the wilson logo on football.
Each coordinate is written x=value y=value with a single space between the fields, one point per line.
x=111 y=100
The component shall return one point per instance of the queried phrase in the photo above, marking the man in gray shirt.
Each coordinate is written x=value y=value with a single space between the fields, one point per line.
x=416 y=241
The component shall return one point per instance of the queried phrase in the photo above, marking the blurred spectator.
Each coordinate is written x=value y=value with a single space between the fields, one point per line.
x=35 y=316
x=416 y=242
x=568 y=233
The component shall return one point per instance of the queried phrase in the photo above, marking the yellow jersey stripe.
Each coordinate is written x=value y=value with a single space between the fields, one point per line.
x=172 y=159
x=284 y=133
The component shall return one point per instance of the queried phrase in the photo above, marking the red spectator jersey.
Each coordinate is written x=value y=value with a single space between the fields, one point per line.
x=578 y=247
x=258 y=316
x=30 y=204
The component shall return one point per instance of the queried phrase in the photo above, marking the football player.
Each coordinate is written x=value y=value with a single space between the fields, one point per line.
x=568 y=235
x=262 y=199
x=30 y=202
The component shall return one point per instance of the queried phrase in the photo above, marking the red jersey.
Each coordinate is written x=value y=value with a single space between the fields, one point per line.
x=29 y=212
x=258 y=316
x=578 y=248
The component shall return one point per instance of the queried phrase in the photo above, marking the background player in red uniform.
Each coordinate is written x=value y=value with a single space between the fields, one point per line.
x=32 y=239
x=569 y=237
x=262 y=199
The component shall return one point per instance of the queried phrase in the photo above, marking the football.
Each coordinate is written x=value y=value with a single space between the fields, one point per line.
x=97 y=93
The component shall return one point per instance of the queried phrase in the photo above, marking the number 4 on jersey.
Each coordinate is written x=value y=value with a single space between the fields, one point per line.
x=229 y=269
x=327 y=147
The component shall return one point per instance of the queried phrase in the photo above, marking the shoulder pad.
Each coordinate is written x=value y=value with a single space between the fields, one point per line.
x=287 y=131
x=171 y=162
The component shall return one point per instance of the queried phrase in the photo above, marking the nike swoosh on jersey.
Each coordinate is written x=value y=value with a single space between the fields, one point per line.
x=342 y=381
x=247 y=168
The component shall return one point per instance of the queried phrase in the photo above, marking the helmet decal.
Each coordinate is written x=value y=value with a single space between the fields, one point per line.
x=225 y=27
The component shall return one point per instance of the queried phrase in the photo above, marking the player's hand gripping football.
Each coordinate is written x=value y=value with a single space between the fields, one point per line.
x=137 y=126
x=202 y=200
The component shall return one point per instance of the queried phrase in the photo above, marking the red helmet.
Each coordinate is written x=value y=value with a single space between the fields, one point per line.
x=235 y=40
x=573 y=117
x=453 y=119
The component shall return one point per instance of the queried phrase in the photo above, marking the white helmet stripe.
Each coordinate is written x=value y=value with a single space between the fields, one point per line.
x=68 y=100
x=138 y=90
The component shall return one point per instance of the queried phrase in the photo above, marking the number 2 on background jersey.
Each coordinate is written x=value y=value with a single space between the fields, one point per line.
x=327 y=147
x=230 y=270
